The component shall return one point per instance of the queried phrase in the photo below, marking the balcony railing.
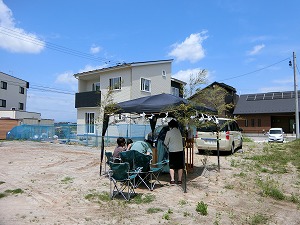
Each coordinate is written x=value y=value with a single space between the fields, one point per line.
x=87 y=99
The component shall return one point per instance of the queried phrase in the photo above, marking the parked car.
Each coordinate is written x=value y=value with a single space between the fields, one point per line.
x=230 y=136
x=275 y=135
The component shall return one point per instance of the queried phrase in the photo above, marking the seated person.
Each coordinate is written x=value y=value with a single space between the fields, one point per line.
x=120 y=148
x=142 y=147
x=129 y=144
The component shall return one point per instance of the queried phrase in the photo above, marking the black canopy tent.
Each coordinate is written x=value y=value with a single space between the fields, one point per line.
x=153 y=105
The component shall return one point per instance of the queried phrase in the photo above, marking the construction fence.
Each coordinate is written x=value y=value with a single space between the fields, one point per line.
x=89 y=135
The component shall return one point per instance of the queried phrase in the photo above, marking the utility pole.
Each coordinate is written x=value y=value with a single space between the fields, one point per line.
x=296 y=96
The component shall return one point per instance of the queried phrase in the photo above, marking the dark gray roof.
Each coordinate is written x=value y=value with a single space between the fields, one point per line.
x=271 y=102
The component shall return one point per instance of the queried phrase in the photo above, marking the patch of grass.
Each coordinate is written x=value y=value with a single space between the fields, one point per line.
x=67 y=180
x=104 y=196
x=269 y=188
x=182 y=202
x=241 y=174
x=154 y=210
x=201 y=208
x=247 y=139
x=166 y=216
x=143 y=199
x=258 y=219
x=11 y=192
x=2 y=182
x=276 y=156
x=228 y=186
x=2 y=195
x=15 y=191
x=186 y=214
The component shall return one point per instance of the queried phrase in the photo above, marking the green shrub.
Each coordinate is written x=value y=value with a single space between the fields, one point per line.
x=202 y=208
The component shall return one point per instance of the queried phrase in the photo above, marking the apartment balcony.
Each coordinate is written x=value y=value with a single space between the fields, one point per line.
x=87 y=99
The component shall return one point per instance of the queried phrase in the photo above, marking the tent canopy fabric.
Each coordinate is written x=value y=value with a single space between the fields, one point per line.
x=150 y=104
x=153 y=104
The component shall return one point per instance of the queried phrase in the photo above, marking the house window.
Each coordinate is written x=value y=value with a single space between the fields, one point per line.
x=252 y=123
x=164 y=73
x=175 y=91
x=96 y=86
x=2 y=103
x=21 y=106
x=21 y=90
x=259 y=122
x=89 y=123
x=246 y=123
x=3 y=85
x=145 y=85
x=115 y=83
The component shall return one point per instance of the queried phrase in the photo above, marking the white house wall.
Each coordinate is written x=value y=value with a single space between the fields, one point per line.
x=118 y=95
x=11 y=94
x=159 y=84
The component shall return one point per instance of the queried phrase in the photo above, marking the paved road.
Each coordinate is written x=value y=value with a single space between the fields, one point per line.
x=264 y=138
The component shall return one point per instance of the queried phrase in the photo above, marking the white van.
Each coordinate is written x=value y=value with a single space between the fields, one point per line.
x=230 y=136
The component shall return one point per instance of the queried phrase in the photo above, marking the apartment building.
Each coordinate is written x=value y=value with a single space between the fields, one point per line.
x=127 y=81
x=13 y=93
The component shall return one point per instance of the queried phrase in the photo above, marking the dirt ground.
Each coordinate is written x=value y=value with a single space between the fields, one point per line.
x=55 y=178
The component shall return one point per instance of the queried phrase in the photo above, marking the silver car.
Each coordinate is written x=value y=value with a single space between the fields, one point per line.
x=230 y=136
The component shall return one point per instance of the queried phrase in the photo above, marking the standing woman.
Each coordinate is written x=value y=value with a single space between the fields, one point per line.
x=173 y=141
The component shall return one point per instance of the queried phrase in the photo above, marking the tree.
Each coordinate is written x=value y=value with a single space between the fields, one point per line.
x=194 y=82
x=214 y=97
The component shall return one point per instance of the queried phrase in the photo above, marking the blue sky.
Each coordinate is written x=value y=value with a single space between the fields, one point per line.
x=245 y=44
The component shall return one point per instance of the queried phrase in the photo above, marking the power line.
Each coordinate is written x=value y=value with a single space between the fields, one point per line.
x=52 y=46
x=245 y=74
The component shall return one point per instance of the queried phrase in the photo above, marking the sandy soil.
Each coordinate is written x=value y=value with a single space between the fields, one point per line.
x=56 y=178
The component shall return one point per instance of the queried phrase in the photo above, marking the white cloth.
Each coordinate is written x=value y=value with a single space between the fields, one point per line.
x=173 y=140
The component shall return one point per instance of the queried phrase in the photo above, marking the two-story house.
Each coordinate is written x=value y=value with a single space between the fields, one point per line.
x=128 y=81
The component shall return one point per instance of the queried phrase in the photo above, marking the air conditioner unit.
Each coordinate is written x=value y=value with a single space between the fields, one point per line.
x=13 y=108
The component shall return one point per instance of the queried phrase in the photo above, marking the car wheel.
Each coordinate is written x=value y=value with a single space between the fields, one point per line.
x=232 y=148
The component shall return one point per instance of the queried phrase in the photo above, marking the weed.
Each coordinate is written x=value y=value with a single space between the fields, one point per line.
x=166 y=216
x=186 y=214
x=15 y=191
x=241 y=174
x=67 y=180
x=154 y=210
x=143 y=199
x=2 y=195
x=247 y=139
x=2 y=182
x=104 y=196
x=182 y=202
x=269 y=189
x=202 y=208
x=228 y=186
x=258 y=219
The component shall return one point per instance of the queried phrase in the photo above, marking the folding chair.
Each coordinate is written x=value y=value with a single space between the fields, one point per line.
x=109 y=158
x=122 y=179
x=154 y=172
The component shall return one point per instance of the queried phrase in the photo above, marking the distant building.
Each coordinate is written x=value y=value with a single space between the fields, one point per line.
x=230 y=98
x=259 y=112
x=128 y=81
x=13 y=96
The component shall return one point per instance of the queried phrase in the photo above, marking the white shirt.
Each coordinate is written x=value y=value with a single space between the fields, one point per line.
x=173 y=140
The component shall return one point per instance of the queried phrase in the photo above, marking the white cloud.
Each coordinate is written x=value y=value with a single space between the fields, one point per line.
x=190 y=49
x=95 y=49
x=15 y=39
x=68 y=78
x=185 y=75
x=276 y=88
x=90 y=68
x=256 y=49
